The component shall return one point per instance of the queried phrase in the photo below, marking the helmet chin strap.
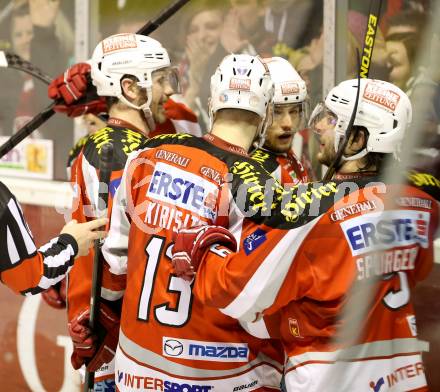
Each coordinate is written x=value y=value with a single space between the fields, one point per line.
x=260 y=136
x=358 y=155
x=144 y=108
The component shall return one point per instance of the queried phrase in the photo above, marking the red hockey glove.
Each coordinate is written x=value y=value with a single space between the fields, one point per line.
x=191 y=245
x=55 y=296
x=87 y=347
x=76 y=91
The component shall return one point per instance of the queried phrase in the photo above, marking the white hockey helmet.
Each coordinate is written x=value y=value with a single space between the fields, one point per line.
x=383 y=109
x=127 y=54
x=242 y=81
x=289 y=86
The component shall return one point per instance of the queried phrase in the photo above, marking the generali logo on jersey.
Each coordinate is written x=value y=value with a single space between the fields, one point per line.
x=344 y=212
x=212 y=174
x=118 y=42
x=240 y=84
x=376 y=93
x=289 y=88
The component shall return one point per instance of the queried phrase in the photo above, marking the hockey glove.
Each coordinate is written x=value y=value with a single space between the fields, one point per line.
x=76 y=92
x=55 y=296
x=88 y=348
x=191 y=245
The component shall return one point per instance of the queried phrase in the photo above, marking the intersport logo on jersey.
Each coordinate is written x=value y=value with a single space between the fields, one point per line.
x=172 y=185
x=386 y=230
x=204 y=351
x=144 y=383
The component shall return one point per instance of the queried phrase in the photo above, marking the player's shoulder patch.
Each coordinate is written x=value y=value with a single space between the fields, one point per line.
x=426 y=182
x=124 y=141
x=76 y=150
x=266 y=159
x=170 y=138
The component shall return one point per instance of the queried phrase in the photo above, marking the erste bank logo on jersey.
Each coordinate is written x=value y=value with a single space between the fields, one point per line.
x=183 y=189
x=204 y=351
x=144 y=383
x=385 y=230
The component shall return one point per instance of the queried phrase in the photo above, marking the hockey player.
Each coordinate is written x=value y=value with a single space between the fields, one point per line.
x=28 y=270
x=168 y=340
x=289 y=117
x=133 y=72
x=362 y=252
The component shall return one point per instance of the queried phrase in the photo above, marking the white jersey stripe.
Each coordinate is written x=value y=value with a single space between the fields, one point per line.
x=261 y=290
x=14 y=257
x=29 y=243
x=383 y=348
x=185 y=126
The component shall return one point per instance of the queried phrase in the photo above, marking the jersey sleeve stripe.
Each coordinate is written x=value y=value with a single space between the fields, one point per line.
x=262 y=288
x=378 y=349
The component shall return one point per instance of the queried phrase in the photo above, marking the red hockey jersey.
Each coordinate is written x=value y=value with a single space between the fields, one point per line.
x=286 y=168
x=168 y=338
x=335 y=287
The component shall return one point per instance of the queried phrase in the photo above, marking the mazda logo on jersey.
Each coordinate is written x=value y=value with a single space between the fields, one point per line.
x=173 y=347
x=205 y=351
x=189 y=191
x=386 y=230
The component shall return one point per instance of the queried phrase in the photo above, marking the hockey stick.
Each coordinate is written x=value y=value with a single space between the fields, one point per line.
x=364 y=70
x=27 y=129
x=11 y=60
x=47 y=113
x=105 y=170
x=358 y=308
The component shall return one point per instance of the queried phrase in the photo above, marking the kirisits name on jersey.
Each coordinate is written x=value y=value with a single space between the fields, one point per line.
x=204 y=351
x=188 y=191
x=388 y=241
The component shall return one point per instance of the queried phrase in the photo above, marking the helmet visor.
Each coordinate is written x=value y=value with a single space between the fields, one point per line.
x=323 y=116
x=167 y=78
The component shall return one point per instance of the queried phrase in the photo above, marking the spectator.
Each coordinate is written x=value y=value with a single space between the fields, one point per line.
x=291 y=21
x=203 y=52
x=244 y=31
x=403 y=39
x=18 y=105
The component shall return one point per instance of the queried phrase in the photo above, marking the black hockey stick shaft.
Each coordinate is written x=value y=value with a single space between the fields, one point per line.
x=167 y=13
x=364 y=66
x=370 y=38
x=47 y=113
x=12 y=60
x=27 y=129
x=105 y=171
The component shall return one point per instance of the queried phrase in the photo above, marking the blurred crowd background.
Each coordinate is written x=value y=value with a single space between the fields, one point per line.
x=199 y=36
